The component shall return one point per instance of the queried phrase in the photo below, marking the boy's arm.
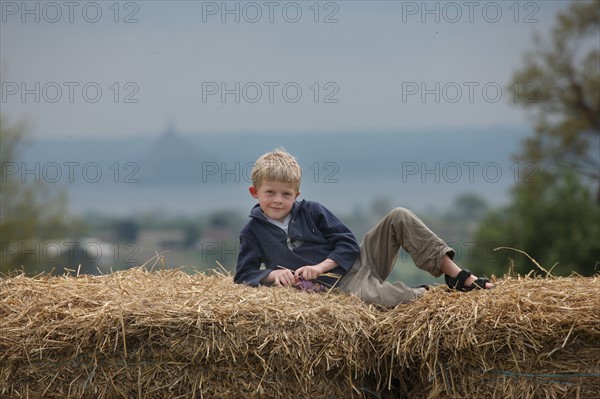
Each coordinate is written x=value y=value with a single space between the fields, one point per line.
x=248 y=263
x=345 y=247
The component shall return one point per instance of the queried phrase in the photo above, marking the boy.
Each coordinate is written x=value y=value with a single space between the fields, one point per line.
x=303 y=241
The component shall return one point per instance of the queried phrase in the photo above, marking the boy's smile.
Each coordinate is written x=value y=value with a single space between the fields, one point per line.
x=275 y=198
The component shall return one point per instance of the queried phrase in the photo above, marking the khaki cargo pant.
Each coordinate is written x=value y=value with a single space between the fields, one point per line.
x=378 y=252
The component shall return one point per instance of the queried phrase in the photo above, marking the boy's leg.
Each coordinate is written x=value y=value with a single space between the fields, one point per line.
x=366 y=285
x=378 y=252
x=401 y=228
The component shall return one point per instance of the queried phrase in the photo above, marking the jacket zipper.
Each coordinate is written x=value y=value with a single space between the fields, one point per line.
x=287 y=235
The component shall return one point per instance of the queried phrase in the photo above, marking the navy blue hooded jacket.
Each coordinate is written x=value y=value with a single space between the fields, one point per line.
x=314 y=234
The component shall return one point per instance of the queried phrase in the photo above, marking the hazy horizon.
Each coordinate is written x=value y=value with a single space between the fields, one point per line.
x=177 y=173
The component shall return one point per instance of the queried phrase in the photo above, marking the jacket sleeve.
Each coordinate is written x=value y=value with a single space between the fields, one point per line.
x=248 y=263
x=345 y=247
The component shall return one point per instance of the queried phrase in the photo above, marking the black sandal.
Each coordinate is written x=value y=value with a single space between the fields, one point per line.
x=458 y=282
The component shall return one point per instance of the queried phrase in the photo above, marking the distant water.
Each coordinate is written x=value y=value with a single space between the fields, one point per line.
x=343 y=197
x=187 y=174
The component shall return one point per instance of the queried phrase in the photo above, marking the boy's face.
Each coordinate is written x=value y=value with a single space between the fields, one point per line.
x=275 y=198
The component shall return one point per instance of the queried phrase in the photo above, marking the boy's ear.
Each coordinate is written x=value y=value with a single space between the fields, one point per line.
x=297 y=194
x=253 y=191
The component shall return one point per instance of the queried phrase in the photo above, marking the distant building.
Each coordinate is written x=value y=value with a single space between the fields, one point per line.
x=172 y=158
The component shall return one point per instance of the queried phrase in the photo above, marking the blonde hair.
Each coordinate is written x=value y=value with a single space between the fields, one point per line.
x=277 y=165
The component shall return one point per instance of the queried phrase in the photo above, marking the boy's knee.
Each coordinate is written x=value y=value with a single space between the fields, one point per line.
x=401 y=213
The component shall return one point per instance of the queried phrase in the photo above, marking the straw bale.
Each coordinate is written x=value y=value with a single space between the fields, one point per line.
x=169 y=334
x=159 y=334
x=527 y=338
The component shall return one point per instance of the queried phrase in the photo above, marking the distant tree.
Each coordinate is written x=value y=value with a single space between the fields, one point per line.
x=191 y=234
x=30 y=212
x=459 y=222
x=127 y=230
x=380 y=206
x=226 y=219
x=219 y=220
x=468 y=207
x=555 y=224
x=555 y=212
x=560 y=83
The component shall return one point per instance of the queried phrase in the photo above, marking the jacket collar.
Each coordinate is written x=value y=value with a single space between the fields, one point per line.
x=257 y=213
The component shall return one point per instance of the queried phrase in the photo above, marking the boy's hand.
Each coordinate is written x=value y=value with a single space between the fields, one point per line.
x=282 y=277
x=309 y=272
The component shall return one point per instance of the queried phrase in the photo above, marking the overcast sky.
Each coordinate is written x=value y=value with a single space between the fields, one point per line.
x=100 y=69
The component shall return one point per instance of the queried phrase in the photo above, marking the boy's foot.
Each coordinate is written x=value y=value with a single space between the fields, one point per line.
x=466 y=281
x=472 y=280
